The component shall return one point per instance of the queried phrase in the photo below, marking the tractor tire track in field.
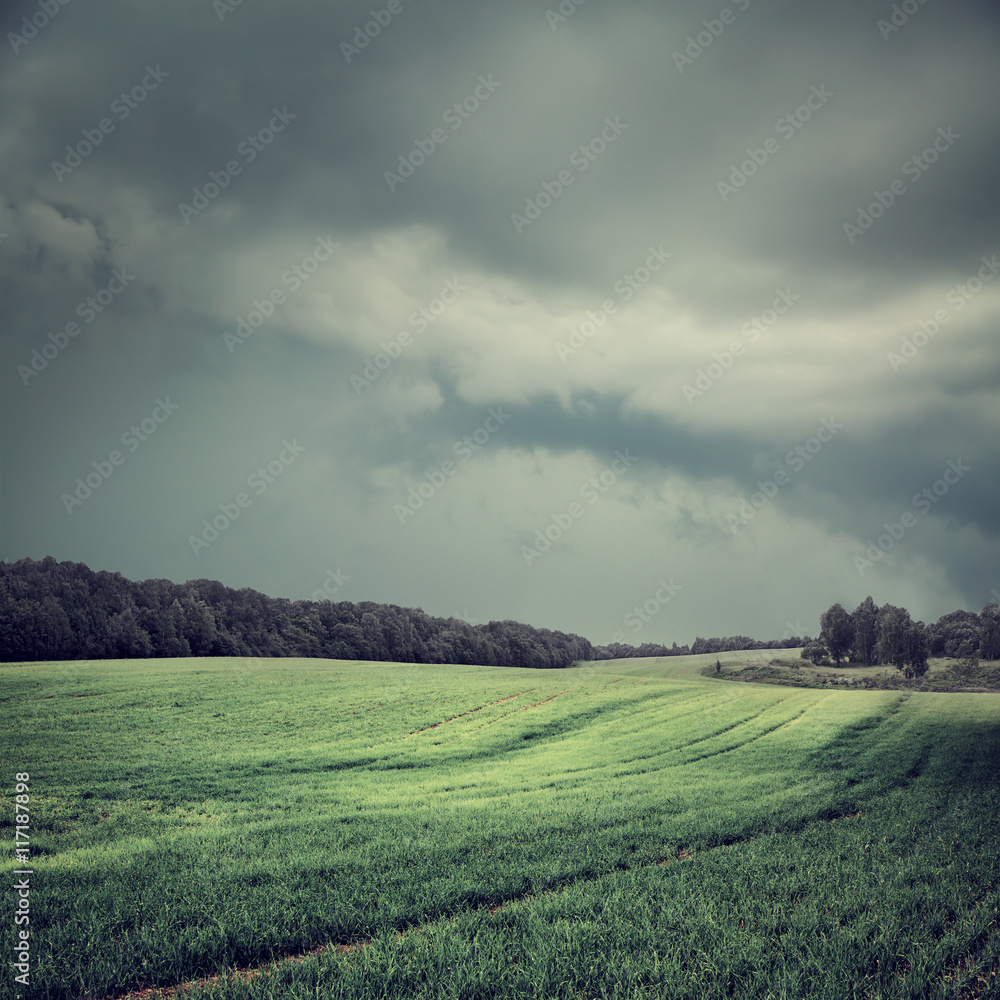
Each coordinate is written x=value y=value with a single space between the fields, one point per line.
x=701 y=739
x=753 y=739
x=711 y=736
x=730 y=728
x=507 y=715
x=472 y=711
x=544 y=700
x=735 y=746
x=246 y=973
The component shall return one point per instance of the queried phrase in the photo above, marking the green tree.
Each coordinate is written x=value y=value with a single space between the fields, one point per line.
x=836 y=632
x=952 y=631
x=916 y=650
x=865 y=618
x=129 y=639
x=198 y=626
x=371 y=630
x=967 y=666
x=893 y=632
x=989 y=632
x=816 y=653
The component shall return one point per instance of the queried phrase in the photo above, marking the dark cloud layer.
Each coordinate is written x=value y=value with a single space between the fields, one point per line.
x=580 y=260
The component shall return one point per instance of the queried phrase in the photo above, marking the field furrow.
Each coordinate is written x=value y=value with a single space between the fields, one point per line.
x=471 y=711
x=392 y=826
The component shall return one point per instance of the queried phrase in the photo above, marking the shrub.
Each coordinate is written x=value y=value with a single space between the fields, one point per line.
x=816 y=654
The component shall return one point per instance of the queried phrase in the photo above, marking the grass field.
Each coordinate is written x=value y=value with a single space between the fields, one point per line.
x=619 y=829
x=782 y=667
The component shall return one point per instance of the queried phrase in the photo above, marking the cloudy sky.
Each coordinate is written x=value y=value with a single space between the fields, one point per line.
x=508 y=310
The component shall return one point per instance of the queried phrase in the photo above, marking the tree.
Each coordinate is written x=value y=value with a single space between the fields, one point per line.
x=836 y=632
x=966 y=668
x=952 y=631
x=989 y=632
x=130 y=640
x=865 y=632
x=816 y=653
x=916 y=650
x=51 y=610
x=893 y=631
x=174 y=620
x=198 y=626
x=373 y=637
x=8 y=625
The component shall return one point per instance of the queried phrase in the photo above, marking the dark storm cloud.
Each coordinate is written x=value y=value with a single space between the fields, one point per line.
x=743 y=164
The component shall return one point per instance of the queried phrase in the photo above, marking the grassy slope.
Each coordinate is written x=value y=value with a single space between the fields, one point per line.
x=190 y=815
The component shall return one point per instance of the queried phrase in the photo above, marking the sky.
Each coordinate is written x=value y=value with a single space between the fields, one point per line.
x=637 y=320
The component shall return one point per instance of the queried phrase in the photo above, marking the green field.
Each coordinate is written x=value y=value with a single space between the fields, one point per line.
x=621 y=829
x=778 y=667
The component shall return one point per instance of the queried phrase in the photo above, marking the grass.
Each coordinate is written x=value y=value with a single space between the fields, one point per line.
x=617 y=829
x=763 y=667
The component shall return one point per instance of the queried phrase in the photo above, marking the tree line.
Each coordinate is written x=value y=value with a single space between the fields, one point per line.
x=873 y=635
x=53 y=610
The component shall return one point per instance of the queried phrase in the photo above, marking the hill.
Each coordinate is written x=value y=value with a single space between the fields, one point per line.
x=404 y=830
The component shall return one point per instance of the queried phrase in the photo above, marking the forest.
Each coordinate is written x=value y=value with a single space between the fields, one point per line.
x=53 y=610
x=887 y=635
